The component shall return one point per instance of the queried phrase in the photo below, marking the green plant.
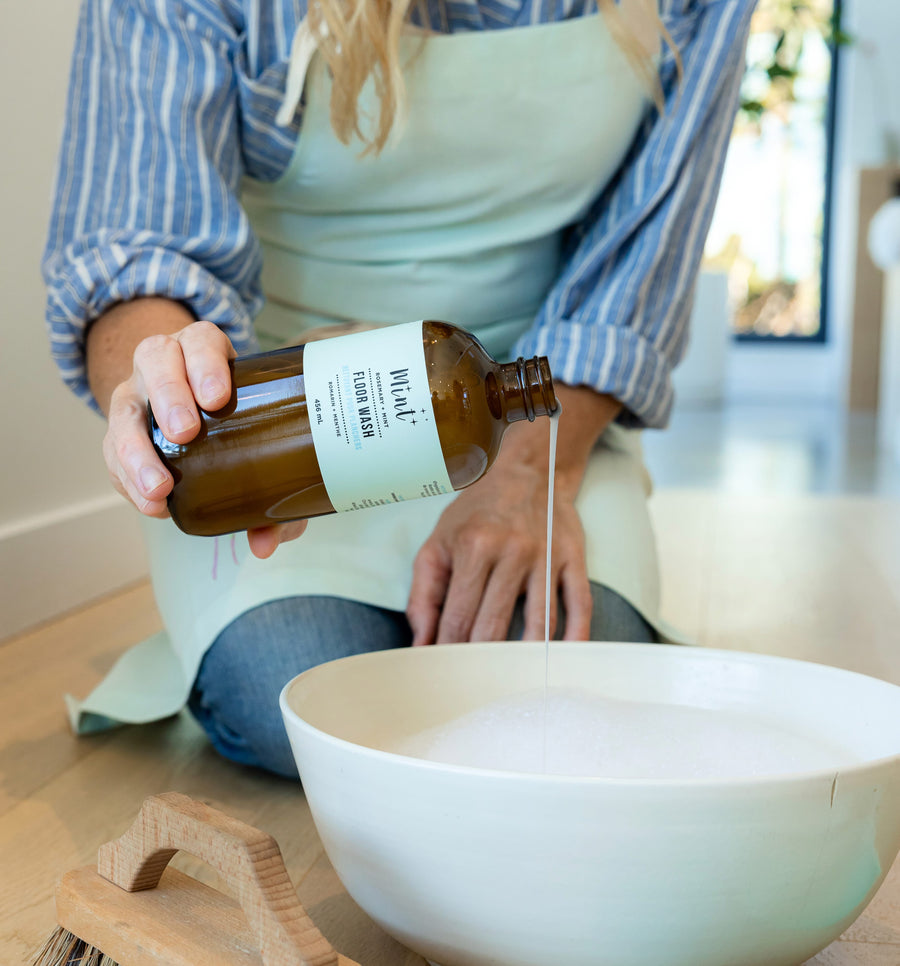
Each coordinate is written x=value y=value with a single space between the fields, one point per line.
x=781 y=30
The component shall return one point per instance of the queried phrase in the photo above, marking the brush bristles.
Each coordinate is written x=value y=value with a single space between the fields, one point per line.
x=65 y=949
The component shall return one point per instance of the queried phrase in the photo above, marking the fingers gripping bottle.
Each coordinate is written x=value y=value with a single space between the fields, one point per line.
x=360 y=420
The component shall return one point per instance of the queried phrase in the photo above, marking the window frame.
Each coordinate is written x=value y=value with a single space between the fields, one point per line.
x=820 y=337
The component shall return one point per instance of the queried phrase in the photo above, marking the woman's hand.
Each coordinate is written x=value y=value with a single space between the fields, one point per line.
x=489 y=546
x=179 y=372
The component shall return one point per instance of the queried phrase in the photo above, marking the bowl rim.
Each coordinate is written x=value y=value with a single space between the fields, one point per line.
x=544 y=778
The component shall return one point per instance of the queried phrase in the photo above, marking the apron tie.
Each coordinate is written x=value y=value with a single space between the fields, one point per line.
x=303 y=47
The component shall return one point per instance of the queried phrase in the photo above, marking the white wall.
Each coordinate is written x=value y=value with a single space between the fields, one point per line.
x=65 y=535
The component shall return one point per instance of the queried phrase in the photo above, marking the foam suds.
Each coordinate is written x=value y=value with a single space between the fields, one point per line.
x=571 y=731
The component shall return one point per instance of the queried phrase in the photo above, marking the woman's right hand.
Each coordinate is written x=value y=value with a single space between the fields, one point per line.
x=177 y=373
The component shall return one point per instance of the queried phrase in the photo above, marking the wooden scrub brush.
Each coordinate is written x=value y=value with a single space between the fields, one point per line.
x=132 y=910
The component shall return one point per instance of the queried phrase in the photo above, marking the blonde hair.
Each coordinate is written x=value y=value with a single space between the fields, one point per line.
x=361 y=39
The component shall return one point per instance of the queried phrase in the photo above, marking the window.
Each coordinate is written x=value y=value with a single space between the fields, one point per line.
x=770 y=228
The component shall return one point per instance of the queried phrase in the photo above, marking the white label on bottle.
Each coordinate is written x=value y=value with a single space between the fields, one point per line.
x=372 y=421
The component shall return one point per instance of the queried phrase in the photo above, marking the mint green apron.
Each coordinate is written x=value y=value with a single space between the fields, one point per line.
x=509 y=135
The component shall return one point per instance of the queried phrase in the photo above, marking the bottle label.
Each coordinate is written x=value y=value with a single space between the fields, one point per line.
x=371 y=416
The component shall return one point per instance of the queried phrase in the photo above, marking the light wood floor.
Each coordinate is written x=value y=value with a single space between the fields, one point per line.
x=809 y=577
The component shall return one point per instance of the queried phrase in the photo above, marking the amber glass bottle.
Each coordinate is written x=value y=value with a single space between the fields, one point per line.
x=264 y=457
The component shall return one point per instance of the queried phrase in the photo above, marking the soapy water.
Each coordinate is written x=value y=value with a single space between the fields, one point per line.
x=575 y=732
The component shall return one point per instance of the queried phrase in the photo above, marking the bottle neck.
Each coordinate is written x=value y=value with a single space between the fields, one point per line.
x=525 y=389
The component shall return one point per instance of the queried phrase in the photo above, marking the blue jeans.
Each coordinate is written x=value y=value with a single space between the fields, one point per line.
x=235 y=696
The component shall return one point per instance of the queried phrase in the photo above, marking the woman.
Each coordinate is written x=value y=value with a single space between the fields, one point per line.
x=538 y=173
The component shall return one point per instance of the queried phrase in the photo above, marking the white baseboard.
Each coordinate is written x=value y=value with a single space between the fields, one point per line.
x=57 y=561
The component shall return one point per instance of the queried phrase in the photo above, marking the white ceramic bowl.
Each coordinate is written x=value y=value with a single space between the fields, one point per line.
x=474 y=867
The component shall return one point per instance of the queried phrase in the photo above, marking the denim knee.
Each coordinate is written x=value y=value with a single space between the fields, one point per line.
x=235 y=695
x=239 y=712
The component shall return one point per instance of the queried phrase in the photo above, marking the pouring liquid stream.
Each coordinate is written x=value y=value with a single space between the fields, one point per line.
x=548 y=588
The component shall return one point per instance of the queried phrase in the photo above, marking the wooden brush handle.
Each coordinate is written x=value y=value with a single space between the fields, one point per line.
x=247 y=859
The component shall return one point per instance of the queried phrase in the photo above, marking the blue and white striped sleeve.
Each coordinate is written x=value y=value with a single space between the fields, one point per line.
x=145 y=201
x=616 y=319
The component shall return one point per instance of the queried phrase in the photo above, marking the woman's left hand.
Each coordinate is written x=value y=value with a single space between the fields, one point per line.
x=489 y=546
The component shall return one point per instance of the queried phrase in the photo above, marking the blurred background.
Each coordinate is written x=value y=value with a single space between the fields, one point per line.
x=789 y=384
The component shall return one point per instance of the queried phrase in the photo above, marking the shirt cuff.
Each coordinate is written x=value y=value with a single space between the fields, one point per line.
x=614 y=360
x=86 y=286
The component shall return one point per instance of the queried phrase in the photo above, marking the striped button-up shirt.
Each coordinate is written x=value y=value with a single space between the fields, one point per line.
x=172 y=103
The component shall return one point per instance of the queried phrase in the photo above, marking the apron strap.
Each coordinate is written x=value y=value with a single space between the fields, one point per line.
x=303 y=47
